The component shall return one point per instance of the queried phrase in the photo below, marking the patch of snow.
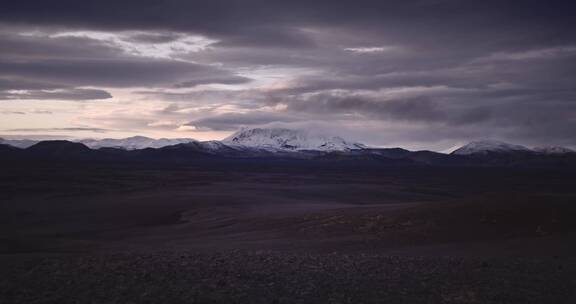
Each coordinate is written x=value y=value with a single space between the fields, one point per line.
x=134 y=142
x=485 y=146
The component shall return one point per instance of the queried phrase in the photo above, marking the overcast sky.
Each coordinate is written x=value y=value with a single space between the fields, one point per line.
x=422 y=74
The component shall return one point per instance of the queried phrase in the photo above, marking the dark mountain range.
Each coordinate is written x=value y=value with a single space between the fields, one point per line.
x=62 y=150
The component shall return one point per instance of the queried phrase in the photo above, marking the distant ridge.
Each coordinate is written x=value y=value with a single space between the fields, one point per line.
x=60 y=149
x=58 y=145
x=215 y=152
x=134 y=142
x=553 y=150
x=19 y=143
x=282 y=144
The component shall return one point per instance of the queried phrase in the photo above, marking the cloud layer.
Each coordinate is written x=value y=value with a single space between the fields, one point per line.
x=425 y=73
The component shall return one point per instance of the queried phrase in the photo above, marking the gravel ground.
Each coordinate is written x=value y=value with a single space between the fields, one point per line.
x=275 y=277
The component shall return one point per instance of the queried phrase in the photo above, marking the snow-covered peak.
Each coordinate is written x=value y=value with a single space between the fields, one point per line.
x=288 y=139
x=485 y=146
x=553 y=150
x=134 y=142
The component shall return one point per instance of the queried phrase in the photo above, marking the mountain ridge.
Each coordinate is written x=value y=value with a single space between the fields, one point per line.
x=290 y=143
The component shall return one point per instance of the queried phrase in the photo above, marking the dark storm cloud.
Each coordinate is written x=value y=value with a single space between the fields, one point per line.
x=264 y=36
x=250 y=99
x=451 y=106
x=224 y=79
x=468 y=68
x=20 y=84
x=67 y=94
x=444 y=19
x=445 y=30
x=234 y=121
x=33 y=62
x=131 y=72
x=156 y=37
x=24 y=47
x=415 y=108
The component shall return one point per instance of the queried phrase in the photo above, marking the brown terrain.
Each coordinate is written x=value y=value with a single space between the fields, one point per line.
x=275 y=231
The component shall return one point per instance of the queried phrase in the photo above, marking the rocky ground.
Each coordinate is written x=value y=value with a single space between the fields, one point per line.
x=273 y=277
x=285 y=233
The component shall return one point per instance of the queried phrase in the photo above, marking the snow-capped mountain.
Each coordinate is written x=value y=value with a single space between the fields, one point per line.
x=271 y=140
x=278 y=139
x=134 y=142
x=487 y=146
x=243 y=140
x=553 y=150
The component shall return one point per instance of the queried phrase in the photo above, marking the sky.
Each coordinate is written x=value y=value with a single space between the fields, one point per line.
x=420 y=74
